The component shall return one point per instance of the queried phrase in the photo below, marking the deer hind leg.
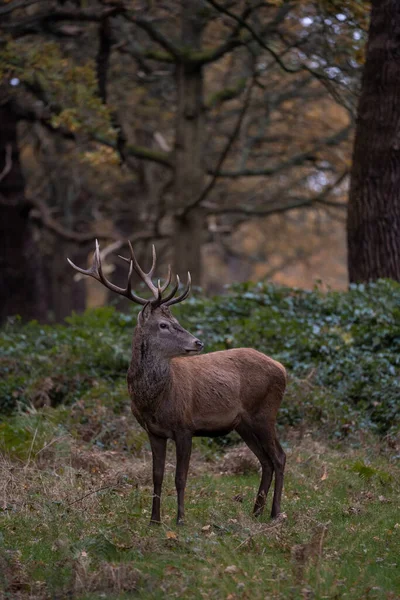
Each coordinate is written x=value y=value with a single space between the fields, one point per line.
x=278 y=458
x=267 y=436
x=269 y=451
x=253 y=442
x=183 y=450
x=158 y=449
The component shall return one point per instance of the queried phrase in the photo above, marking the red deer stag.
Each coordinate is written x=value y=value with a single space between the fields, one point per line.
x=177 y=393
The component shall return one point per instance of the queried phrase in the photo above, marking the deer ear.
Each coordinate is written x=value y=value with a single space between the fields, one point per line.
x=144 y=314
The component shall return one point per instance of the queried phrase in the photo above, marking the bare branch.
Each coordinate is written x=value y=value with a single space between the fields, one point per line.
x=31 y=23
x=155 y=34
x=130 y=47
x=255 y=35
x=162 y=158
x=224 y=154
x=42 y=212
x=318 y=74
x=8 y=162
x=320 y=198
x=294 y=161
x=9 y=8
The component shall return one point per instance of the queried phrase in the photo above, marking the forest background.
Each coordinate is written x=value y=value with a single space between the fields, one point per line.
x=220 y=131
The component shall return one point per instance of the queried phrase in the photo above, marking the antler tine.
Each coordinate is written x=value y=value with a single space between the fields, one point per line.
x=182 y=296
x=96 y=271
x=145 y=277
x=92 y=271
x=153 y=265
x=168 y=280
x=172 y=292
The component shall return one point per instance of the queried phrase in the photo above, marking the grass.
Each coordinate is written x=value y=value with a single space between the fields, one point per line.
x=74 y=523
x=75 y=470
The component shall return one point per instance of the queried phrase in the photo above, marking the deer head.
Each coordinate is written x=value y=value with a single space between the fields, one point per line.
x=162 y=332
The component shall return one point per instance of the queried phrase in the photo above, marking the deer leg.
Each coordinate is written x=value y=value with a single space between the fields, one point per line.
x=158 y=449
x=183 y=451
x=266 y=465
x=271 y=446
x=279 y=461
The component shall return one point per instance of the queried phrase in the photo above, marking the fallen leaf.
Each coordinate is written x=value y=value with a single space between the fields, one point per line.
x=206 y=528
x=324 y=474
x=231 y=569
x=171 y=535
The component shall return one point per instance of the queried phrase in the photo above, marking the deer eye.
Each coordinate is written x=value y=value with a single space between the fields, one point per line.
x=163 y=326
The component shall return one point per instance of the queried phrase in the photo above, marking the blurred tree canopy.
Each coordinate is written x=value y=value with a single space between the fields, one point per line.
x=221 y=129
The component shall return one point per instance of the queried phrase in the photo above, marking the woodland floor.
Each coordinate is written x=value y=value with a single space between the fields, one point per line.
x=74 y=524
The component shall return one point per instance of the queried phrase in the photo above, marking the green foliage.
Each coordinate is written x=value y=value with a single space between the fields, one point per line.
x=367 y=472
x=341 y=350
x=70 y=88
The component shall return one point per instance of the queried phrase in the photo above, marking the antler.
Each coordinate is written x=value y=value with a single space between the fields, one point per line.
x=96 y=272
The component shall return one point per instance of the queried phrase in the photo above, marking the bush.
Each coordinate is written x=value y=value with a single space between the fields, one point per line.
x=341 y=350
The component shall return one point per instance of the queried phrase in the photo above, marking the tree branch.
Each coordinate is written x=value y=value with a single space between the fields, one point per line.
x=31 y=23
x=156 y=35
x=42 y=212
x=9 y=8
x=255 y=35
x=161 y=158
x=294 y=161
x=8 y=162
x=281 y=208
x=132 y=49
x=224 y=154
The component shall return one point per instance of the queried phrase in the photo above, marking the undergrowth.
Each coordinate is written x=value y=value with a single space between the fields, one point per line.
x=341 y=350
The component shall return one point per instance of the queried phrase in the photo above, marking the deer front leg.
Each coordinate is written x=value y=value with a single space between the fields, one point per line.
x=158 y=449
x=183 y=450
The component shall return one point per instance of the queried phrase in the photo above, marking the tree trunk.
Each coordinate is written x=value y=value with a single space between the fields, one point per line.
x=189 y=173
x=22 y=280
x=373 y=225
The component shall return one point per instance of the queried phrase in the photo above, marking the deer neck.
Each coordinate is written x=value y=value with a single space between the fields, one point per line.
x=149 y=375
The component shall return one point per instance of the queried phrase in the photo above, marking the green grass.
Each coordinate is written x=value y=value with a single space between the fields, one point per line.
x=74 y=523
x=75 y=470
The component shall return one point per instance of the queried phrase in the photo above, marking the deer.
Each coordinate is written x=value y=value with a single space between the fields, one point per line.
x=177 y=393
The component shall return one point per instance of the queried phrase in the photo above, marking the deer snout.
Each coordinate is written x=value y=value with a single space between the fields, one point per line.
x=199 y=345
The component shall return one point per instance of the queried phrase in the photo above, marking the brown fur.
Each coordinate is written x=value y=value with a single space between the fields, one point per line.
x=178 y=397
